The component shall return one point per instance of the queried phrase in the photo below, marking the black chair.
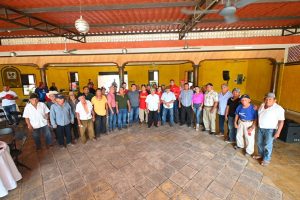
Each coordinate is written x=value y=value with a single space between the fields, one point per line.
x=3 y=118
x=7 y=132
x=20 y=138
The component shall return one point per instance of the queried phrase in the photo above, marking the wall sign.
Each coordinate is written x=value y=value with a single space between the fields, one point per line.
x=11 y=77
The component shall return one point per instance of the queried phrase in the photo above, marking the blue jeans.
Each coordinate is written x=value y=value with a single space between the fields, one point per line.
x=221 y=123
x=231 y=129
x=265 y=143
x=100 y=124
x=37 y=135
x=134 y=115
x=197 y=111
x=164 y=115
x=11 y=111
x=112 y=119
x=175 y=111
x=62 y=131
x=160 y=114
x=122 y=115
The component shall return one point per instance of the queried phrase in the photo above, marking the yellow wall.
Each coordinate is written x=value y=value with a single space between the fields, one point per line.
x=289 y=87
x=24 y=69
x=139 y=74
x=212 y=71
x=259 y=78
x=60 y=75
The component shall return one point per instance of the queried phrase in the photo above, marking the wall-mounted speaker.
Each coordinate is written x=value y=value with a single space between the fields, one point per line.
x=226 y=76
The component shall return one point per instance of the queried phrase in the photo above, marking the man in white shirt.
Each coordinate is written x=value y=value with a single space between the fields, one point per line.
x=8 y=99
x=168 y=99
x=36 y=116
x=153 y=106
x=271 y=120
x=85 y=117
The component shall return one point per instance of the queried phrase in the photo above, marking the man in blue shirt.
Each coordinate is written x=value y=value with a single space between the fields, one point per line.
x=41 y=91
x=224 y=95
x=245 y=122
x=185 y=104
x=61 y=117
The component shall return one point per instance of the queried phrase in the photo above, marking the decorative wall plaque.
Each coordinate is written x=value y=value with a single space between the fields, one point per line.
x=11 y=77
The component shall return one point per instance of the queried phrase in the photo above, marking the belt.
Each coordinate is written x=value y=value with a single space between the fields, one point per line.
x=246 y=120
x=208 y=106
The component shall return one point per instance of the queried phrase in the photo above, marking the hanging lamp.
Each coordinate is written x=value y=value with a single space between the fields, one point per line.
x=81 y=25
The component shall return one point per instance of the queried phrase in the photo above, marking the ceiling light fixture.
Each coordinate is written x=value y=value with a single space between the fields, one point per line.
x=124 y=51
x=81 y=25
x=13 y=54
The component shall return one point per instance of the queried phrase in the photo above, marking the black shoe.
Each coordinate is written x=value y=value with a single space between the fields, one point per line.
x=212 y=133
x=236 y=147
x=155 y=125
x=149 y=126
x=181 y=124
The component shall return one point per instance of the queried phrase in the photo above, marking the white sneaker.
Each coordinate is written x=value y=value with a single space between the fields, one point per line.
x=197 y=127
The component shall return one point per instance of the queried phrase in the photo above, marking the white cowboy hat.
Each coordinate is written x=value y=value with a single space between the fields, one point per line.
x=51 y=92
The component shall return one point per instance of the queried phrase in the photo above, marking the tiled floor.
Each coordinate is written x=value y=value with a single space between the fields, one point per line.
x=157 y=164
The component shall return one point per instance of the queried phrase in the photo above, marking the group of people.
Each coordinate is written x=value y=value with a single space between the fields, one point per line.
x=94 y=112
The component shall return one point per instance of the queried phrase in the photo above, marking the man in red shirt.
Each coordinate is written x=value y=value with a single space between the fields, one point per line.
x=124 y=86
x=143 y=115
x=176 y=90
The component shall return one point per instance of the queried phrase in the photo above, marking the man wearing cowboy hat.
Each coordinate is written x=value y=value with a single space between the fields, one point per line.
x=50 y=98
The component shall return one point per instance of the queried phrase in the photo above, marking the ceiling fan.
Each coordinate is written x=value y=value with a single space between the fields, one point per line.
x=228 y=12
x=186 y=46
x=68 y=51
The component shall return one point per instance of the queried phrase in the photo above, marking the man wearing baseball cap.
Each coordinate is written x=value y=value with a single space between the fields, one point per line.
x=245 y=122
x=271 y=120
x=232 y=104
x=61 y=117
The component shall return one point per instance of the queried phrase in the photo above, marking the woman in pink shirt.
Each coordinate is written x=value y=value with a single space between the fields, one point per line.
x=197 y=104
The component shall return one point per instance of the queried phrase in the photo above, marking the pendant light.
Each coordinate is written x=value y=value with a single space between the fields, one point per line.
x=80 y=24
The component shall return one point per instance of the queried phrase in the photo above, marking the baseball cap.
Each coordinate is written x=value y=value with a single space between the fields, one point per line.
x=270 y=95
x=245 y=96
x=33 y=96
x=59 y=96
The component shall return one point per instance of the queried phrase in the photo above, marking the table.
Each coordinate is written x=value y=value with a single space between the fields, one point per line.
x=9 y=173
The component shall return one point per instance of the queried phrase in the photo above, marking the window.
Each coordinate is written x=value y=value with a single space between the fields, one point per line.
x=74 y=81
x=190 y=77
x=107 y=79
x=153 y=77
x=28 y=83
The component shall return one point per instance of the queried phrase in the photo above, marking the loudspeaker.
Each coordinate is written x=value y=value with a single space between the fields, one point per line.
x=290 y=132
x=226 y=76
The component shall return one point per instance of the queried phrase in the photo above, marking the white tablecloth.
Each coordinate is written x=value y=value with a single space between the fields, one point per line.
x=9 y=173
